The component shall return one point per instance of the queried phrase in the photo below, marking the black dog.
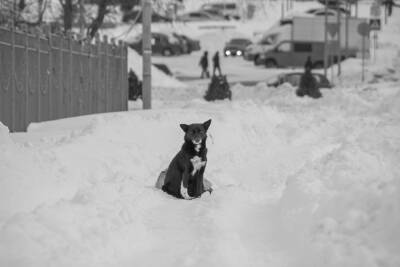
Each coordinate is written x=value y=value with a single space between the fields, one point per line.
x=184 y=176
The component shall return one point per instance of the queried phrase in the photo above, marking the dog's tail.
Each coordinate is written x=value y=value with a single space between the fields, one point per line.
x=161 y=179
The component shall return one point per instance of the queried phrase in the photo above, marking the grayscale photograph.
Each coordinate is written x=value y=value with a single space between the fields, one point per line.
x=194 y=133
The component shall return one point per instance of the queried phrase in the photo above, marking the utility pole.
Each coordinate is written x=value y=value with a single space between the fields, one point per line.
x=348 y=7
x=326 y=39
x=146 y=46
x=81 y=19
x=339 y=43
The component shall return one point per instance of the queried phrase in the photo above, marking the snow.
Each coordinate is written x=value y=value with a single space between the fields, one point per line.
x=158 y=79
x=298 y=182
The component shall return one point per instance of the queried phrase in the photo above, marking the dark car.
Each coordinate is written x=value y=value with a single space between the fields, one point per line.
x=236 y=46
x=166 y=45
x=189 y=44
x=294 y=79
x=136 y=16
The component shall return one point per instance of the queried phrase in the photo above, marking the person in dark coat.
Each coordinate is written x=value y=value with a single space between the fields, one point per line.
x=135 y=86
x=308 y=64
x=216 y=65
x=308 y=85
x=204 y=65
x=388 y=6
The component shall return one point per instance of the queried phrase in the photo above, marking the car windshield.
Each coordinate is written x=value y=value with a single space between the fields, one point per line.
x=239 y=41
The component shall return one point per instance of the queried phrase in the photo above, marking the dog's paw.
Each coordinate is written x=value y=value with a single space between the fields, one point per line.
x=184 y=192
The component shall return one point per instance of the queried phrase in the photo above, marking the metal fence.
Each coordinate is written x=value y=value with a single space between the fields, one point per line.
x=47 y=76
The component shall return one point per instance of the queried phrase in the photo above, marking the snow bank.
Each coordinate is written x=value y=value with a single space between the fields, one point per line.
x=4 y=135
x=298 y=182
x=159 y=79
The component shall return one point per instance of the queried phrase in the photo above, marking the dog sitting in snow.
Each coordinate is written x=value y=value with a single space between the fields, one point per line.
x=184 y=176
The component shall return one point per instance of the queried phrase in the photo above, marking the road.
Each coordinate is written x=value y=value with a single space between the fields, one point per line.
x=186 y=68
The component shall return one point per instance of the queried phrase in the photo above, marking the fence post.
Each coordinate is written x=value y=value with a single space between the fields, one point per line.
x=39 y=89
x=62 y=111
x=26 y=54
x=50 y=73
x=97 y=73
x=122 y=83
x=81 y=89
x=70 y=89
x=89 y=90
x=113 y=77
x=12 y=76
x=105 y=43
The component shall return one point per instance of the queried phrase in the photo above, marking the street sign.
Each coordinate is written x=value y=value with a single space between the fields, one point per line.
x=363 y=29
x=332 y=29
x=375 y=24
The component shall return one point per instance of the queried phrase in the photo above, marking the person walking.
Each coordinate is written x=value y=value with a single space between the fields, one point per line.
x=204 y=66
x=389 y=6
x=216 y=65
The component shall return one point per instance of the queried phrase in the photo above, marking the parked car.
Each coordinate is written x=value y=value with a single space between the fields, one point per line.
x=314 y=12
x=136 y=15
x=331 y=11
x=228 y=9
x=189 y=43
x=253 y=51
x=294 y=79
x=198 y=16
x=295 y=54
x=236 y=46
x=216 y=12
x=166 y=45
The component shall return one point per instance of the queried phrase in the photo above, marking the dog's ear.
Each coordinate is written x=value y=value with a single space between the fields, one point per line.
x=206 y=124
x=184 y=127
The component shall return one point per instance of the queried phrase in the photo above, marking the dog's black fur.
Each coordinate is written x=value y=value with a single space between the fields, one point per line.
x=181 y=171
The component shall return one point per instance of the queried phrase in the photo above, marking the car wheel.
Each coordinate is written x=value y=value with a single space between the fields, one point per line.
x=167 y=52
x=256 y=59
x=318 y=65
x=270 y=63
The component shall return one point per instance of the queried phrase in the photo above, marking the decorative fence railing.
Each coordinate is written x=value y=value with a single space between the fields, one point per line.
x=47 y=76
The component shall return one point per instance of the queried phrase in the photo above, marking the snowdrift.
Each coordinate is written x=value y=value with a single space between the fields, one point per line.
x=298 y=182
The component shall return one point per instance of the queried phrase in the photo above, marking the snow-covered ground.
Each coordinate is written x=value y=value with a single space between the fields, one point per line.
x=298 y=182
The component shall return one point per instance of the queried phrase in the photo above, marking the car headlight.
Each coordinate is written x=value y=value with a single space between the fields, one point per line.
x=239 y=53
x=227 y=52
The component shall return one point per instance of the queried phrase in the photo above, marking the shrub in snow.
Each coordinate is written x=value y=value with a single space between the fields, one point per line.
x=218 y=89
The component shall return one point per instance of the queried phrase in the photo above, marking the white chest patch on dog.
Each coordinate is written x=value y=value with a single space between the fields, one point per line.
x=197 y=164
x=197 y=147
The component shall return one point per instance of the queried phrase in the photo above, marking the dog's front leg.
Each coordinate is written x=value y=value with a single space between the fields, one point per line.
x=184 y=184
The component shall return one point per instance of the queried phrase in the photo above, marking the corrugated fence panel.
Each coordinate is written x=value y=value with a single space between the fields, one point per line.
x=46 y=77
x=5 y=77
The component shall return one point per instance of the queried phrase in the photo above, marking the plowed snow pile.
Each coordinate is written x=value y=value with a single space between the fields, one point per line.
x=298 y=182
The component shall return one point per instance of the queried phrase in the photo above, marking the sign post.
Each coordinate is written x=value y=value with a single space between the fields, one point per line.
x=375 y=23
x=332 y=29
x=363 y=30
x=326 y=38
x=146 y=94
